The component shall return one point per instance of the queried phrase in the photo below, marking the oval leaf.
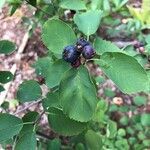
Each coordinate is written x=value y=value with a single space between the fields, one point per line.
x=9 y=126
x=29 y=91
x=73 y=5
x=5 y=76
x=55 y=72
x=1 y=88
x=27 y=141
x=78 y=91
x=64 y=125
x=6 y=47
x=88 y=22
x=102 y=46
x=57 y=35
x=145 y=119
x=93 y=140
x=51 y=100
x=124 y=71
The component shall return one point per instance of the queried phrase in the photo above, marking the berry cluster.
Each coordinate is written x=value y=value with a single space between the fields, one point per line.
x=72 y=53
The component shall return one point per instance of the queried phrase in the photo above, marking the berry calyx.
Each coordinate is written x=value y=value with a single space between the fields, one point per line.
x=88 y=52
x=70 y=53
x=81 y=43
x=77 y=63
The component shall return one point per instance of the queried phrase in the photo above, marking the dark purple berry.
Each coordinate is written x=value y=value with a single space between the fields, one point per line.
x=88 y=52
x=77 y=63
x=81 y=43
x=70 y=53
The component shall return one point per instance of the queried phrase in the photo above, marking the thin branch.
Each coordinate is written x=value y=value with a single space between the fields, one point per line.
x=39 y=117
x=25 y=108
x=41 y=134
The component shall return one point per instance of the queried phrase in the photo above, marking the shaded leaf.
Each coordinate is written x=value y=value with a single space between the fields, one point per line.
x=5 y=76
x=55 y=72
x=78 y=91
x=27 y=141
x=54 y=144
x=62 y=124
x=9 y=126
x=145 y=119
x=51 y=100
x=88 y=22
x=102 y=46
x=93 y=140
x=73 y=5
x=29 y=91
x=53 y=35
x=124 y=71
x=6 y=47
x=140 y=100
x=1 y=88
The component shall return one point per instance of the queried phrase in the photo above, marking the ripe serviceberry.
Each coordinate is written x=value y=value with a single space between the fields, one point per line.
x=88 y=52
x=77 y=63
x=70 y=53
x=81 y=43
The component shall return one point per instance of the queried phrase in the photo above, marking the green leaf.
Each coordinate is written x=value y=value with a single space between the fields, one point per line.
x=101 y=108
x=122 y=144
x=32 y=2
x=80 y=146
x=111 y=129
x=63 y=125
x=93 y=140
x=41 y=66
x=51 y=100
x=140 y=100
x=30 y=117
x=121 y=132
x=55 y=72
x=124 y=71
x=96 y=4
x=147 y=39
x=145 y=119
x=27 y=137
x=73 y=5
x=27 y=141
x=106 y=7
x=29 y=91
x=124 y=121
x=2 y=2
x=5 y=76
x=6 y=47
x=9 y=126
x=57 y=35
x=54 y=144
x=108 y=92
x=1 y=88
x=78 y=91
x=88 y=22
x=102 y=46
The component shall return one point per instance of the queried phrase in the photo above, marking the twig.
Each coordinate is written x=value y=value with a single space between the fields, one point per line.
x=43 y=135
x=122 y=44
x=39 y=117
x=25 y=108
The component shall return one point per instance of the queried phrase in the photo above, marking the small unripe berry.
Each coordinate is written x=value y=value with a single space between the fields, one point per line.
x=88 y=52
x=70 y=53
